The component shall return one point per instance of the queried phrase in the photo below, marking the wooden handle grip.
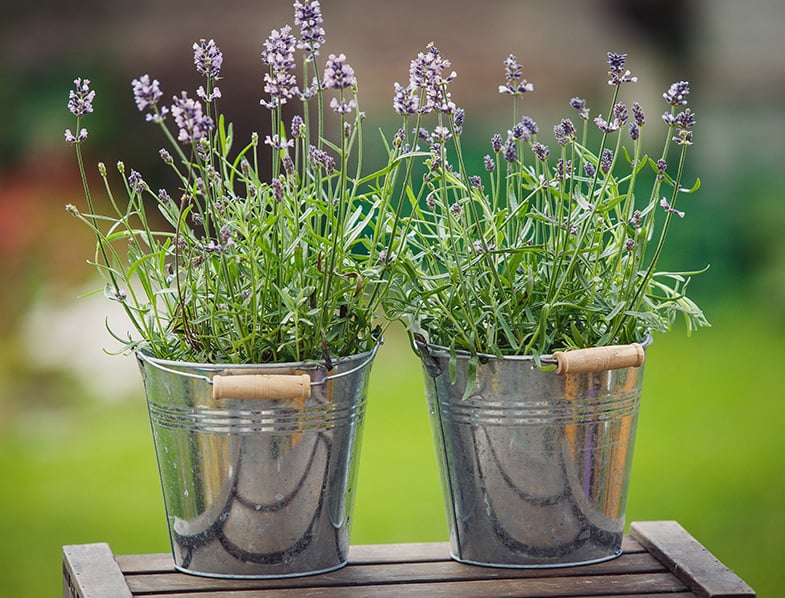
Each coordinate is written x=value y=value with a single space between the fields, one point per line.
x=597 y=359
x=262 y=386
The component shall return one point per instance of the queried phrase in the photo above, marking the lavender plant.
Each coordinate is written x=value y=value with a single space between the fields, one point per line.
x=542 y=247
x=234 y=263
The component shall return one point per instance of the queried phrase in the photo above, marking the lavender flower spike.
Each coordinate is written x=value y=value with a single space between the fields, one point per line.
x=194 y=125
x=278 y=53
x=337 y=73
x=146 y=95
x=208 y=58
x=677 y=93
x=616 y=71
x=513 y=73
x=80 y=99
x=308 y=15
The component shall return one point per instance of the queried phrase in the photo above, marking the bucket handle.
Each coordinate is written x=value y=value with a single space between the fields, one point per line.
x=596 y=359
x=262 y=386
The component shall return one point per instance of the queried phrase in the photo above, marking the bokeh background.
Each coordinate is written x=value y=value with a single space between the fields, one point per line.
x=76 y=460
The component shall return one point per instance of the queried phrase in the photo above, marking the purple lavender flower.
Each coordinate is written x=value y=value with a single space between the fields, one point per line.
x=683 y=137
x=638 y=115
x=441 y=134
x=580 y=105
x=426 y=72
x=78 y=138
x=458 y=117
x=616 y=71
x=342 y=107
x=604 y=126
x=564 y=169
x=530 y=125
x=629 y=244
x=278 y=189
x=337 y=73
x=686 y=119
x=277 y=143
x=298 y=126
x=308 y=15
x=163 y=196
x=80 y=99
x=456 y=210
x=620 y=113
x=564 y=131
x=665 y=205
x=208 y=58
x=662 y=166
x=541 y=151
x=519 y=132
x=496 y=143
x=635 y=131
x=513 y=75
x=399 y=138
x=405 y=100
x=489 y=164
x=476 y=182
x=136 y=182
x=193 y=124
x=606 y=161
x=589 y=169
x=278 y=54
x=321 y=159
x=510 y=150
x=146 y=95
x=677 y=93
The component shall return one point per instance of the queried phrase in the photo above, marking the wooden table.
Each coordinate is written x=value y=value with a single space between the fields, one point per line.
x=660 y=559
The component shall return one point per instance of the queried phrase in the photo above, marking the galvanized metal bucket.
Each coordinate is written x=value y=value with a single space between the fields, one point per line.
x=534 y=465
x=258 y=463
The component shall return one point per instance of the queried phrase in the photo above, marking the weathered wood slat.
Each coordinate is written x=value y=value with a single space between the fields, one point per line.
x=689 y=560
x=398 y=573
x=90 y=571
x=543 y=587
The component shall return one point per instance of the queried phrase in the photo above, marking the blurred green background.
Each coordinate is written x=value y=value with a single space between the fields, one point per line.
x=76 y=458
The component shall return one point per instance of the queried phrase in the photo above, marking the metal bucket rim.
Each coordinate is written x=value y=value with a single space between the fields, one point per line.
x=442 y=351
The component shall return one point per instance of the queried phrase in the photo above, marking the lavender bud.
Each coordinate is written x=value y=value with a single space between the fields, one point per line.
x=606 y=161
x=308 y=15
x=458 y=118
x=490 y=165
x=513 y=74
x=629 y=244
x=278 y=189
x=620 y=113
x=405 y=100
x=677 y=93
x=638 y=115
x=635 y=131
x=456 y=210
x=616 y=72
x=510 y=150
x=207 y=58
x=136 y=182
x=589 y=169
x=541 y=151
x=476 y=181
x=496 y=143
x=80 y=99
x=166 y=156
x=163 y=196
x=298 y=126
x=686 y=119
x=530 y=125
x=338 y=74
x=580 y=105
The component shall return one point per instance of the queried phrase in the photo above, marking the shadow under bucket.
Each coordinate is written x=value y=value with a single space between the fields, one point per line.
x=258 y=463
x=534 y=466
